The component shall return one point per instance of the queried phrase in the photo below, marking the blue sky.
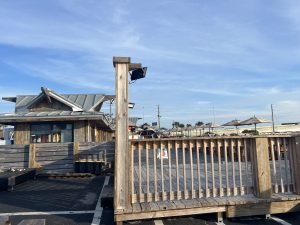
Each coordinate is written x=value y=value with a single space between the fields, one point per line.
x=207 y=59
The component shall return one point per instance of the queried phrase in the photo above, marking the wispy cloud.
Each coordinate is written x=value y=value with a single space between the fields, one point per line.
x=238 y=56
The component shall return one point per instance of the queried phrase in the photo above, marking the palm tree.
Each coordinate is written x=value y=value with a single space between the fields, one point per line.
x=175 y=124
x=199 y=123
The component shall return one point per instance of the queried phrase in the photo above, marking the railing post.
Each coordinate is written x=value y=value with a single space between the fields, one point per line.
x=261 y=168
x=121 y=65
x=32 y=157
x=295 y=163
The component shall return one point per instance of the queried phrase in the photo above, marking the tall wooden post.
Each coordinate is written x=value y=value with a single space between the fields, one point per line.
x=121 y=65
x=261 y=169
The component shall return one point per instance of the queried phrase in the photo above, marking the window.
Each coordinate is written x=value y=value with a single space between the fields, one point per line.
x=47 y=133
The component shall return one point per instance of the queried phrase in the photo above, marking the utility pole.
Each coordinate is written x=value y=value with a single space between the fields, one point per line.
x=143 y=115
x=158 y=117
x=273 y=125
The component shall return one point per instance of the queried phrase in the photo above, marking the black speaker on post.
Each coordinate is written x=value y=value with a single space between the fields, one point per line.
x=138 y=73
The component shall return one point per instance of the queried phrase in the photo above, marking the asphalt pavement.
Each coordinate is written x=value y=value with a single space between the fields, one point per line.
x=74 y=198
x=72 y=201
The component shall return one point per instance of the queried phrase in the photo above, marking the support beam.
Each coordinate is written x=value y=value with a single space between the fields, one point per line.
x=122 y=68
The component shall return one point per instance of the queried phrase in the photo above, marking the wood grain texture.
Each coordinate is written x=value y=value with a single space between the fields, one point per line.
x=262 y=172
x=121 y=133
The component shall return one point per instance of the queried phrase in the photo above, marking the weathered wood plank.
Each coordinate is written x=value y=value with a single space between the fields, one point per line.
x=263 y=208
x=262 y=173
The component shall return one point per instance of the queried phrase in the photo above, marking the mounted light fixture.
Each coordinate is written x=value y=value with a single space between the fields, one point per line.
x=131 y=105
x=138 y=73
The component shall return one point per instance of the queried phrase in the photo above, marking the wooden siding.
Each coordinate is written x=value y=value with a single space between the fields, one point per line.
x=44 y=105
x=22 y=133
x=84 y=131
x=80 y=131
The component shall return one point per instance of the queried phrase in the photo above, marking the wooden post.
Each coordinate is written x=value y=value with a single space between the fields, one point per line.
x=31 y=161
x=261 y=169
x=75 y=151
x=295 y=163
x=121 y=192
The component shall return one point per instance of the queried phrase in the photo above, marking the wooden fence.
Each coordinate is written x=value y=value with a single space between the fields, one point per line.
x=54 y=157
x=188 y=171
x=14 y=156
x=196 y=168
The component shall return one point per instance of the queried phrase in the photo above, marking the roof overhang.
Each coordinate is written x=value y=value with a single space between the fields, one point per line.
x=10 y=99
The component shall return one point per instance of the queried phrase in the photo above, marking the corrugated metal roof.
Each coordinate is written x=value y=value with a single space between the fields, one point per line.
x=85 y=101
x=9 y=118
x=50 y=113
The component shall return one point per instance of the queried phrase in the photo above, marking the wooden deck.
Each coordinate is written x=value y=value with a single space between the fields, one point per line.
x=239 y=176
x=233 y=207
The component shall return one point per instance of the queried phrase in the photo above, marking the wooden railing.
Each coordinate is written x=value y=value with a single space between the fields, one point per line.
x=173 y=169
x=280 y=153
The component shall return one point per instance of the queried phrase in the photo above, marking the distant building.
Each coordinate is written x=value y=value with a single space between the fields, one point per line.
x=51 y=117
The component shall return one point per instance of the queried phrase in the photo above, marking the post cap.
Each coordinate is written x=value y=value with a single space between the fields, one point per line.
x=120 y=60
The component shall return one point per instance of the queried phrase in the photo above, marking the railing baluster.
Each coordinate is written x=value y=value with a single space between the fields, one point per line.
x=207 y=192
x=192 y=168
x=147 y=170
x=232 y=145
x=286 y=166
x=140 y=171
x=212 y=167
x=246 y=165
x=170 y=171
x=178 y=195
x=240 y=167
x=155 y=171
x=279 y=161
x=184 y=170
x=219 y=145
x=132 y=173
x=272 y=143
x=198 y=170
x=161 y=153
x=226 y=167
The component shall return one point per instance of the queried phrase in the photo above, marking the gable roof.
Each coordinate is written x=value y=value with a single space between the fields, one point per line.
x=78 y=102
x=46 y=93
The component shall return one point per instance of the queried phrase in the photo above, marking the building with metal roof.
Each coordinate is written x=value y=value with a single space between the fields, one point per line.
x=52 y=117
